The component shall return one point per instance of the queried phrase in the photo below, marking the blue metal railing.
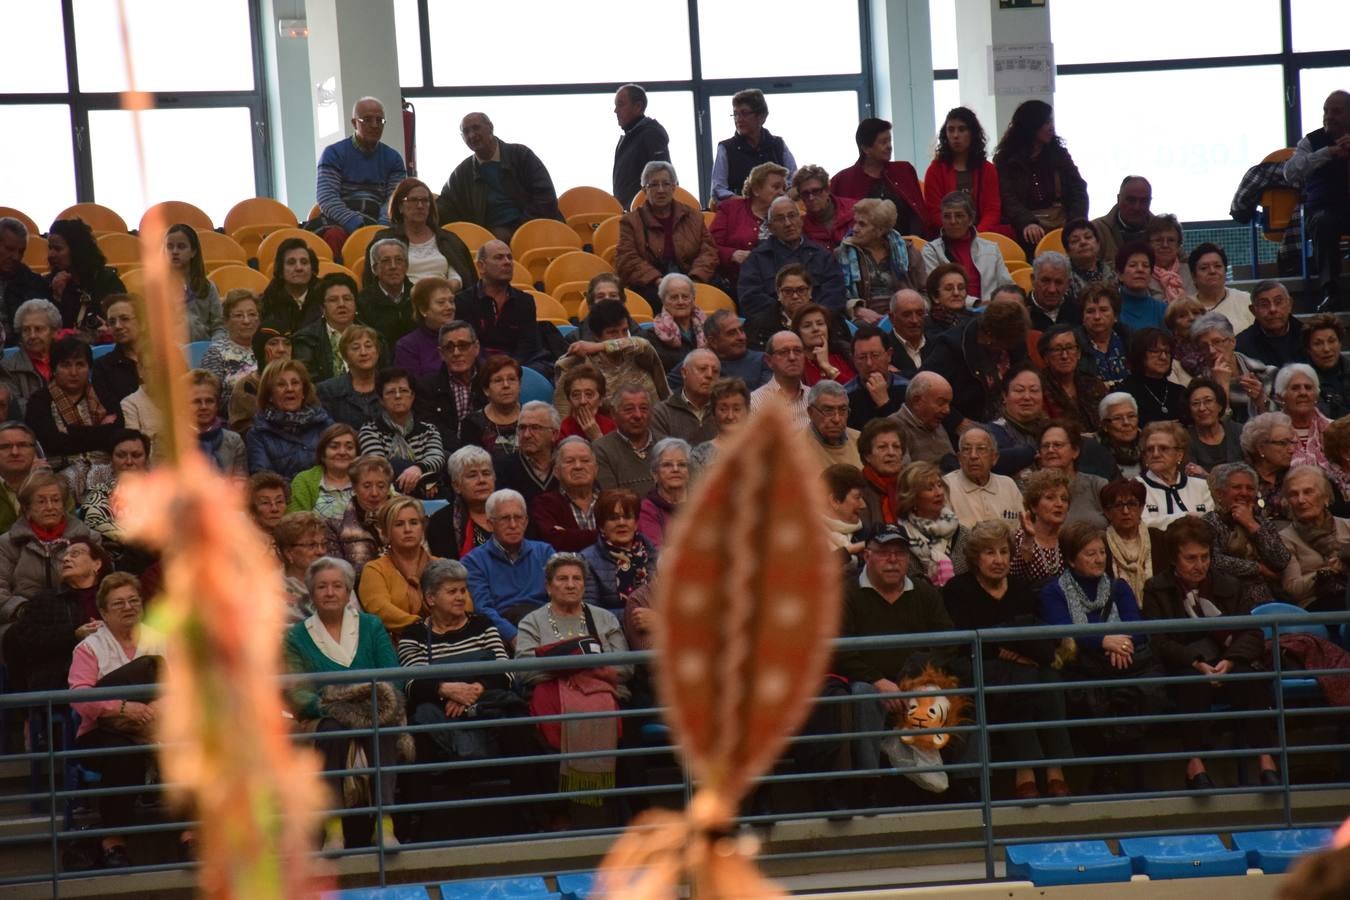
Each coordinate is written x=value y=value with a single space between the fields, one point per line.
x=975 y=765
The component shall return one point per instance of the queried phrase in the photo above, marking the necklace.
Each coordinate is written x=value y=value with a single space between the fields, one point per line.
x=557 y=632
x=1161 y=401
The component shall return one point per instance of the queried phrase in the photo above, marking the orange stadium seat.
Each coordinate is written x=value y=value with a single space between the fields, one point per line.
x=176 y=212
x=1022 y=278
x=916 y=242
x=1007 y=246
x=227 y=278
x=709 y=298
x=220 y=249
x=520 y=276
x=606 y=236
x=12 y=213
x=354 y=248
x=96 y=216
x=327 y=267
x=575 y=266
x=251 y=220
x=540 y=241
x=35 y=254
x=123 y=251
x=473 y=236
x=638 y=307
x=585 y=208
x=1053 y=240
x=267 y=250
x=546 y=309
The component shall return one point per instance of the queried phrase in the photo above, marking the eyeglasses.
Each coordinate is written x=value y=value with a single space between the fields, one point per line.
x=310 y=545
x=370 y=120
x=17 y=445
x=457 y=346
x=391 y=261
x=397 y=392
x=528 y=426
x=1159 y=351
x=1122 y=419
x=803 y=291
x=744 y=114
x=673 y=465
x=1054 y=445
x=974 y=451
x=786 y=217
x=1062 y=350
x=418 y=201
x=870 y=355
x=832 y=412
x=658 y=185
x=1126 y=505
x=510 y=517
x=1165 y=242
x=1156 y=448
x=119 y=605
x=812 y=192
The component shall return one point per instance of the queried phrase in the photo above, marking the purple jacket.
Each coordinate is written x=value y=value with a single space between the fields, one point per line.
x=418 y=352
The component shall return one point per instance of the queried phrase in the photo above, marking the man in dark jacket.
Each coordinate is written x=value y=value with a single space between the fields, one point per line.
x=446 y=398
x=503 y=316
x=1276 y=337
x=1128 y=220
x=784 y=245
x=499 y=186
x=1321 y=165
x=643 y=140
x=385 y=303
x=17 y=282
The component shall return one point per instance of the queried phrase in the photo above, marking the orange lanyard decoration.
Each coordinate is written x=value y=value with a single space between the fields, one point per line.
x=747 y=604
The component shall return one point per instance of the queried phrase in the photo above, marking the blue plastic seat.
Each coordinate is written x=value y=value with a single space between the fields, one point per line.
x=497 y=889
x=534 y=386
x=392 y=892
x=1183 y=856
x=1294 y=687
x=1066 y=862
x=432 y=506
x=102 y=349
x=1274 y=852
x=567 y=331
x=195 y=351
x=576 y=886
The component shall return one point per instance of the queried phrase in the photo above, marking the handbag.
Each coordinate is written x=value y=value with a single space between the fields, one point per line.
x=546 y=699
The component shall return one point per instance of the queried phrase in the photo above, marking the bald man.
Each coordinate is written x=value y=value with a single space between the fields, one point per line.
x=785 y=244
x=927 y=403
x=357 y=175
x=688 y=414
x=502 y=316
x=499 y=185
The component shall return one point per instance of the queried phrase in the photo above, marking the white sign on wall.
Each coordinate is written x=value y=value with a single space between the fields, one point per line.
x=1018 y=70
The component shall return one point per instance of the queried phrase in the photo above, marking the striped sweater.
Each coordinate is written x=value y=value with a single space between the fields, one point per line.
x=378 y=437
x=476 y=641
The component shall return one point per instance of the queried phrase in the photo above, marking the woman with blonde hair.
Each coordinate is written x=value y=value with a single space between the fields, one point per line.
x=877 y=261
x=290 y=420
x=740 y=221
x=390 y=585
x=1036 y=552
x=926 y=515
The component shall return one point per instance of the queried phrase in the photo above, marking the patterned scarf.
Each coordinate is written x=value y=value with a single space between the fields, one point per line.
x=399 y=448
x=1124 y=454
x=667 y=332
x=630 y=564
x=1170 y=282
x=1320 y=535
x=1080 y=605
x=934 y=544
x=83 y=409
x=296 y=421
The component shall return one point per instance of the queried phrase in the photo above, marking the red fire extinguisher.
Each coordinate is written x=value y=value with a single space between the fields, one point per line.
x=410 y=138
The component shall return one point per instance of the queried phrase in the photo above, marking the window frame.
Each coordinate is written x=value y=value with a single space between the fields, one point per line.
x=81 y=103
x=1290 y=62
x=702 y=88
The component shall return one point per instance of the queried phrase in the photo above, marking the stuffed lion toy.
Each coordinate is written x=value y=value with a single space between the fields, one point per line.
x=932 y=712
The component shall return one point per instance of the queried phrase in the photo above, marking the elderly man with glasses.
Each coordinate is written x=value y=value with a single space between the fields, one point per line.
x=784 y=245
x=358 y=174
x=787 y=361
x=446 y=398
x=975 y=491
x=499 y=185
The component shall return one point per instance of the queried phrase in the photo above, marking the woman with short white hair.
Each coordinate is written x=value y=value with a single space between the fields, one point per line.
x=678 y=328
x=670 y=469
x=958 y=243
x=1245 y=379
x=877 y=261
x=1119 y=414
x=662 y=236
x=1298 y=389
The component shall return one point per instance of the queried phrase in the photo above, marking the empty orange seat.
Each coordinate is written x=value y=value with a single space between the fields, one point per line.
x=540 y=241
x=227 y=278
x=473 y=236
x=35 y=254
x=219 y=249
x=574 y=266
x=122 y=251
x=9 y=212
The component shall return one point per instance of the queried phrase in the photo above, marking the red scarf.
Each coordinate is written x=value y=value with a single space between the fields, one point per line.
x=47 y=535
x=887 y=487
x=959 y=252
x=43 y=366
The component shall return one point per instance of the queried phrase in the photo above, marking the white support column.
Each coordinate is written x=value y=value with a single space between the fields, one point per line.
x=291 y=129
x=902 y=50
x=352 y=54
x=979 y=24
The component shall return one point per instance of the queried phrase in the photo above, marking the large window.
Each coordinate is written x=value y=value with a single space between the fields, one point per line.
x=1189 y=94
x=553 y=90
x=205 y=141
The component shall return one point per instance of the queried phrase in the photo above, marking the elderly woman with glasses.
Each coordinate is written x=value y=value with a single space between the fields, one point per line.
x=670 y=469
x=1036 y=545
x=1246 y=542
x=622 y=559
x=828 y=217
x=1159 y=398
x=301 y=538
x=1169 y=493
x=1061 y=446
x=1268 y=444
x=230 y=356
x=1134 y=552
x=678 y=328
x=411 y=444
x=1105 y=337
x=1120 y=431
x=1070 y=392
x=463 y=525
x=1245 y=379
x=1171 y=281
x=935 y=534
x=337 y=637
x=958 y=243
x=355 y=536
x=662 y=236
x=419 y=351
x=432 y=251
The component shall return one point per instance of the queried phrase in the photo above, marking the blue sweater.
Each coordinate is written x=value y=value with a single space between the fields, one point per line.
x=1138 y=311
x=1055 y=611
x=496 y=583
x=353 y=187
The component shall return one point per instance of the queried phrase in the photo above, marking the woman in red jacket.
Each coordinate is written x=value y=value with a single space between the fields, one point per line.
x=960 y=164
x=735 y=228
x=875 y=174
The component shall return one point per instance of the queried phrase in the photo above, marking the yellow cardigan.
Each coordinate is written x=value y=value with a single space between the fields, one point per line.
x=384 y=592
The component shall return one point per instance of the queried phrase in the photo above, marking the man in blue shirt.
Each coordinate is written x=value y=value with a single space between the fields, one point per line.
x=506 y=575
x=357 y=175
x=726 y=338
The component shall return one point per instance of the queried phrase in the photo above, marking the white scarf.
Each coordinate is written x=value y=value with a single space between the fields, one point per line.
x=1205 y=610
x=110 y=653
x=341 y=651
x=841 y=534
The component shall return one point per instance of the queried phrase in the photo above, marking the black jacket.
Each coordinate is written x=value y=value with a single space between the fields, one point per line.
x=741 y=157
x=435 y=403
x=391 y=319
x=756 y=290
x=514 y=332
x=524 y=178
x=1163 y=600
x=24 y=284
x=972 y=371
x=116 y=375
x=643 y=141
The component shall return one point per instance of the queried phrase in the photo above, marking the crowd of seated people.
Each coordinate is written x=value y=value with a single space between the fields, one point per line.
x=1132 y=439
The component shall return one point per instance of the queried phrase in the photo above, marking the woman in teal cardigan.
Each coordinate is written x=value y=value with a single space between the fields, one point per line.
x=339 y=638
x=326 y=488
